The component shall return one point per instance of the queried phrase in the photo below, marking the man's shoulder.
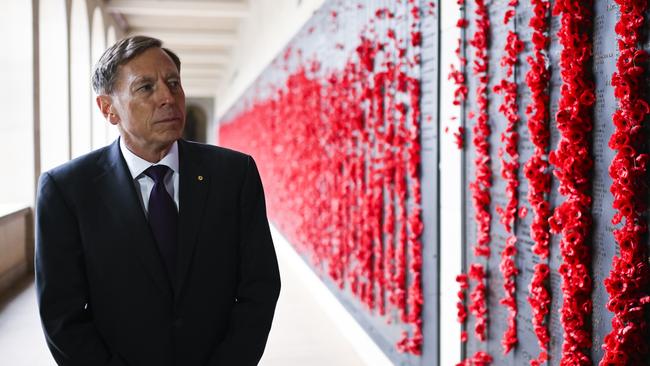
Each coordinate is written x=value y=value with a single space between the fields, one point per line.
x=79 y=167
x=216 y=153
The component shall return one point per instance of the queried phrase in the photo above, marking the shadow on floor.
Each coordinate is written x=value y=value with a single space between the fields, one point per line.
x=16 y=289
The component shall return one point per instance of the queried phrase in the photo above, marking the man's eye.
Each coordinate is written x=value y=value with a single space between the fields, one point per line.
x=145 y=87
x=174 y=83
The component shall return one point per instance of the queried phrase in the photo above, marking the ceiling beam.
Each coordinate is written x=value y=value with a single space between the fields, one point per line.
x=189 y=38
x=177 y=22
x=180 y=8
x=197 y=57
x=200 y=72
x=199 y=91
x=194 y=66
x=200 y=81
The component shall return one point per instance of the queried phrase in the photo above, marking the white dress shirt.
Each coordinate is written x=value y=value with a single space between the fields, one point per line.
x=143 y=183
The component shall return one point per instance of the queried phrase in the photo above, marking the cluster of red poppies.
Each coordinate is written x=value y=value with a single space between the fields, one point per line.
x=478 y=308
x=461 y=310
x=391 y=174
x=413 y=343
x=457 y=75
x=538 y=174
x=480 y=187
x=510 y=137
x=573 y=163
x=459 y=137
x=371 y=291
x=509 y=170
x=389 y=82
x=480 y=358
x=338 y=184
x=629 y=281
x=379 y=179
x=540 y=300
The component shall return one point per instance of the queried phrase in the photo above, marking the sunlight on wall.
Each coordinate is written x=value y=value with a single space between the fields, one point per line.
x=16 y=104
x=99 y=124
x=55 y=117
x=262 y=35
x=111 y=38
x=450 y=192
x=80 y=79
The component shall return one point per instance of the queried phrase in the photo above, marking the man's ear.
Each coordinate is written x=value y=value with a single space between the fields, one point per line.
x=105 y=104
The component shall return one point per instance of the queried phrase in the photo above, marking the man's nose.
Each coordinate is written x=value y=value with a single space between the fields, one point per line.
x=165 y=95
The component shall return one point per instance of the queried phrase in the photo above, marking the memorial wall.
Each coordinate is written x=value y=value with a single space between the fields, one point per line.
x=345 y=128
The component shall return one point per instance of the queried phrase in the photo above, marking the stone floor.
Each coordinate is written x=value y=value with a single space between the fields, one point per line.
x=303 y=332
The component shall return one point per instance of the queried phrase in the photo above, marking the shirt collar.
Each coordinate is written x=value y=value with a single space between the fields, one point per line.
x=137 y=165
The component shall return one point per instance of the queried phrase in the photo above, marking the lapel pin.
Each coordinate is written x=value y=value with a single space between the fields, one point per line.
x=200 y=178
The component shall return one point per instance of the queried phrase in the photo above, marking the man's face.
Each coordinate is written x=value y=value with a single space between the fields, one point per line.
x=148 y=102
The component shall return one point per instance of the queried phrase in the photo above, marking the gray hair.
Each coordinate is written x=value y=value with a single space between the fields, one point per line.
x=105 y=72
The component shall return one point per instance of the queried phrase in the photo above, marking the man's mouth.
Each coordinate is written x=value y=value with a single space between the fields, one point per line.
x=169 y=119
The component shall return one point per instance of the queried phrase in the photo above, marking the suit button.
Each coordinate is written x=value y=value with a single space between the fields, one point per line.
x=178 y=322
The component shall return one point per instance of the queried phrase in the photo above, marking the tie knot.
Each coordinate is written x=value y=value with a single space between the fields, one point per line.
x=157 y=172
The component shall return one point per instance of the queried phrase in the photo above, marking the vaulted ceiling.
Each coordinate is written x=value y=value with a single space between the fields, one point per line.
x=202 y=32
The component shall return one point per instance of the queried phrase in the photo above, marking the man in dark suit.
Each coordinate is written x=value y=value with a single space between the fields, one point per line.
x=153 y=251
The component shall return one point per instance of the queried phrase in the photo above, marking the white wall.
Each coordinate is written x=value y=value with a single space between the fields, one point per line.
x=53 y=84
x=98 y=45
x=80 y=113
x=271 y=25
x=450 y=190
x=16 y=104
x=111 y=38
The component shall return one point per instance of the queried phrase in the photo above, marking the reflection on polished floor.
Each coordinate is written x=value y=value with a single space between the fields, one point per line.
x=303 y=332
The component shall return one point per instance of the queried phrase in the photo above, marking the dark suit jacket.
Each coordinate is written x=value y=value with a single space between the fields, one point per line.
x=103 y=292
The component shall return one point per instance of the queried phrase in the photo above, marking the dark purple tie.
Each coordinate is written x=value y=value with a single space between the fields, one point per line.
x=163 y=218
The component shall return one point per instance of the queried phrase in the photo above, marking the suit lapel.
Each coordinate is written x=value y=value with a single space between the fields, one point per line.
x=193 y=193
x=115 y=186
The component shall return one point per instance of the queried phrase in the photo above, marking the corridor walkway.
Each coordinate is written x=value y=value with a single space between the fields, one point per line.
x=309 y=329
